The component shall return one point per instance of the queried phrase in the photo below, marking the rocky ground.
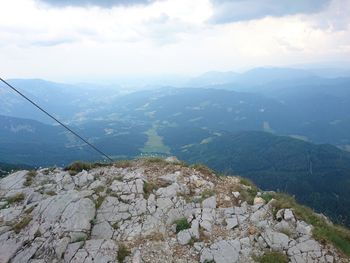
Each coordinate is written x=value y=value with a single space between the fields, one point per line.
x=146 y=211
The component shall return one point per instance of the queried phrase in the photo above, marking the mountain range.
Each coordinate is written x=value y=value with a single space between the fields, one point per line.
x=277 y=126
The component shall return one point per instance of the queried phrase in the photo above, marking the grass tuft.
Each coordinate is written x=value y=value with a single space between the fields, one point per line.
x=272 y=257
x=205 y=170
x=99 y=202
x=22 y=224
x=78 y=166
x=19 y=197
x=51 y=193
x=182 y=224
x=29 y=178
x=148 y=188
x=122 y=164
x=207 y=193
x=123 y=252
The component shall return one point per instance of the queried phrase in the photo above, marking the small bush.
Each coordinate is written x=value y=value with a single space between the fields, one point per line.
x=246 y=182
x=22 y=224
x=49 y=170
x=182 y=224
x=79 y=166
x=99 y=201
x=248 y=191
x=28 y=181
x=29 y=178
x=205 y=170
x=122 y=164
x=148 y=188
x=267 y=196
x=248 y=195
x=32 y=173
x=207 y=193
x=123 y=252
x=115 y=225
x=273 y=257
x=15 y=198
x=51 y=193
x=99 y=189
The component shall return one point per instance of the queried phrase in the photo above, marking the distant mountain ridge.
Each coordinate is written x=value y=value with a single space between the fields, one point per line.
x=265 y=75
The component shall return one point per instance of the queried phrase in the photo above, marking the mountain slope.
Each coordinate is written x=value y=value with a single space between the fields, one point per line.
x=318 y=175
x=6 y=168
x=155 y=211
x=34 y=143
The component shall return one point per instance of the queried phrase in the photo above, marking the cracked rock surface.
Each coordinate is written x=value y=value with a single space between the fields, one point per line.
x=135 y=210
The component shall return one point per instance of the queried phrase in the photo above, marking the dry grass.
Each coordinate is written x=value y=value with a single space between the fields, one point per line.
x=29 y=178
x=99 y=202
x=123 y=164
x=203 y=169
x=19 y=197
x=148 y=188
x=22 y=224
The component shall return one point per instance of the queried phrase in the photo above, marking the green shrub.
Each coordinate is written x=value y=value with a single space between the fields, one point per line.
x=123 y=252
x=248 y=194
x=273 y=257
x=247 y=182
x=182 y=224
x=267 y=196
x=248 y=191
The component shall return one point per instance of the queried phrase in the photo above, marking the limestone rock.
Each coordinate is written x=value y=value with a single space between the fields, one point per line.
x=184 y=237
x=91 y=216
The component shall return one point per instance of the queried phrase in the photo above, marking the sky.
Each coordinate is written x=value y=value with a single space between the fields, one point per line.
x=101 y=39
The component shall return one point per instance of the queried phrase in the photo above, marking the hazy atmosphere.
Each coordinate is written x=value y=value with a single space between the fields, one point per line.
x=99 y=40
x=175 y=131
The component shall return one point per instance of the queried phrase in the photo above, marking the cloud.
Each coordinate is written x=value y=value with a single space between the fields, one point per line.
x=335 y=17
x=226 y=11
x=100 y=3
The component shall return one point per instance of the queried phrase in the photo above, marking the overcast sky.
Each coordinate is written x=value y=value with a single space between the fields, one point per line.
x=96 y=39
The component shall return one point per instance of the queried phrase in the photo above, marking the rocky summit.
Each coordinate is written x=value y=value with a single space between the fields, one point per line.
x=148 y=210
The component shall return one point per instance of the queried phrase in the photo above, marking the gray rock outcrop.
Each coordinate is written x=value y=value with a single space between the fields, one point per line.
x=133 y=214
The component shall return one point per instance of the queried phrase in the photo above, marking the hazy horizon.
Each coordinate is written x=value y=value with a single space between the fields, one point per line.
x=93 y=41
